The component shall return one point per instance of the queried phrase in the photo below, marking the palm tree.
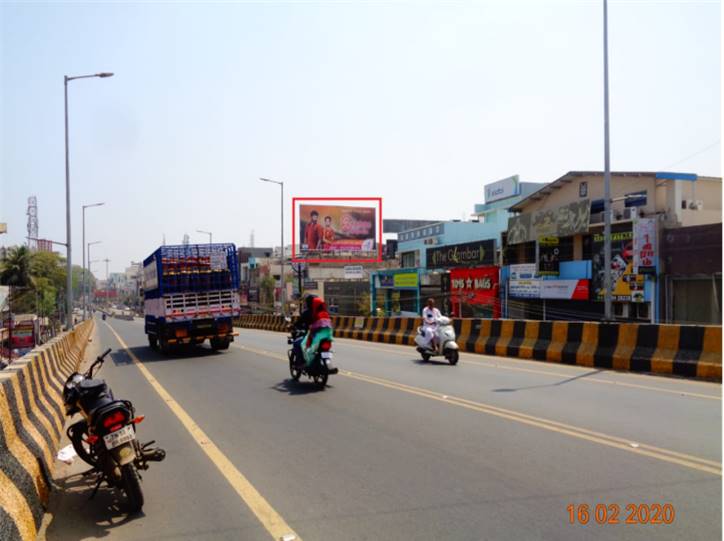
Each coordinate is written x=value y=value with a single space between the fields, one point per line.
x=15 y=267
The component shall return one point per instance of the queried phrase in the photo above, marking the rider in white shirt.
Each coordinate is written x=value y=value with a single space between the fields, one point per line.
x=430 y=317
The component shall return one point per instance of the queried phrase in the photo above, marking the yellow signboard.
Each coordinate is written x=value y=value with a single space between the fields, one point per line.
x=408 y=279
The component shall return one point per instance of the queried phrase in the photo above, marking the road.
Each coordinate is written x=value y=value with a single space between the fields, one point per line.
x=399 y=449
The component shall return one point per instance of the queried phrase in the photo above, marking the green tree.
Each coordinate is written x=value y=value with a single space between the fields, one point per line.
x=15 y=267
x=266 y=289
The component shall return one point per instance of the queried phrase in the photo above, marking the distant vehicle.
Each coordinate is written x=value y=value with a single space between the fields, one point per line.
x=191 y=294
x=25 y=334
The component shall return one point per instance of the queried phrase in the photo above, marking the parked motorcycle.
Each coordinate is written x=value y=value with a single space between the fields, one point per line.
x=445 y=340
x=106 y=436
x=321 y=367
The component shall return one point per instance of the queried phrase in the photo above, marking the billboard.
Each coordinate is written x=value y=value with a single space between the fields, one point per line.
x=508 y=187
x=548 y=256
x=328 y=231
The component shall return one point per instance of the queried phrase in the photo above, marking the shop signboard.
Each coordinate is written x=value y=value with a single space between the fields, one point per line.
x=502 y=189
x=468 y=254
x=574 y=290
x=405 y=280
x=478 y=285
x=354 y=272
x=385 y=280
x=523 y=271
x=644 y=246
x=524 y=289
x=549 y=256
x=565 y=221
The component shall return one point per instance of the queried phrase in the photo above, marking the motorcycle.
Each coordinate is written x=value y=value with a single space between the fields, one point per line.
x=105 y=438
x=445 y=339
x=320 y=368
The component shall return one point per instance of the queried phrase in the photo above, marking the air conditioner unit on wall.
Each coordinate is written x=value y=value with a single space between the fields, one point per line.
x=696 y=205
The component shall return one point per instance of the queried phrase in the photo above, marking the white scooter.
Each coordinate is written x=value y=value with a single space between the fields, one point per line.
x=445 y=339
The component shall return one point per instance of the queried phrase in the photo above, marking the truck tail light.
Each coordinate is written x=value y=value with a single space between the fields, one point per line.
x=181 y=333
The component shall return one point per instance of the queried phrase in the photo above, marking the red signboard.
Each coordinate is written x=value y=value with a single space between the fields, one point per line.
x=477 y=285
x=106 y=294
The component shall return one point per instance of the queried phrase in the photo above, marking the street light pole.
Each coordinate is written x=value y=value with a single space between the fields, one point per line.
x=205 y=233
x=606 y=177
x=84 y=285
x=89 y=260
x=282 y=296
x=68 y=264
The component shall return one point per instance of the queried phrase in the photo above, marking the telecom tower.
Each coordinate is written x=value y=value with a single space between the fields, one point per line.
x=32 y=222
x=251 y=239
x=186 y=240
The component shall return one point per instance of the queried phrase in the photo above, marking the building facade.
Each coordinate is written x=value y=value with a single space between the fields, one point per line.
x=553 y=248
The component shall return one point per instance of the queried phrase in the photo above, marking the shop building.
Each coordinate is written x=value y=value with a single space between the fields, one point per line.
x=455 y=262
x=553 y=248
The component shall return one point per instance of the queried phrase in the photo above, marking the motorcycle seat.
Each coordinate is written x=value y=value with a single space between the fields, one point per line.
x=92 y=385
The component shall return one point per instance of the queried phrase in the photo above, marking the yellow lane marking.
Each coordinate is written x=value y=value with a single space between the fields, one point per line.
x=689 y=461
x=266 y=514
x=465 y=359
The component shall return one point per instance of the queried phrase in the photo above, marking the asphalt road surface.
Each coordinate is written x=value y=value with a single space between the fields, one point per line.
x=395 y=448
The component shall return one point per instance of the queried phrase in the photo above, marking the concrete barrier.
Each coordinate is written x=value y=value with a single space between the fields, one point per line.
x=31 y=424
x=693 y=351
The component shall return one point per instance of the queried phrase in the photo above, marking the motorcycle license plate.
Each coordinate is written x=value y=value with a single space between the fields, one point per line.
x=326 y=355
x=119 y=437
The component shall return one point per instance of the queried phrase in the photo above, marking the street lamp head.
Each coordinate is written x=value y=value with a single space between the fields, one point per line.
x=104 y=74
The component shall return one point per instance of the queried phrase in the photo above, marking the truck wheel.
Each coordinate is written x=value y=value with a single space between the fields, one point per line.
x=163 y=345
x=152 y=341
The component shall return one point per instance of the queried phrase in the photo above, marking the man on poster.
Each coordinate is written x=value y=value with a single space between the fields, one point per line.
x=313 y=232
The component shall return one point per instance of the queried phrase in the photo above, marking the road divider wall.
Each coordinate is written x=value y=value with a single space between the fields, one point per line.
x=693 y=351
x=31 y=425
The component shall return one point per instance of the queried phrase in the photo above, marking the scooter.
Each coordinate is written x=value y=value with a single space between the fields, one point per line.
x=106 y=436
x=321 y=367
x=445 y=339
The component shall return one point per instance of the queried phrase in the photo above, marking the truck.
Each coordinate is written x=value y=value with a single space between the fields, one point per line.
x=191 y=294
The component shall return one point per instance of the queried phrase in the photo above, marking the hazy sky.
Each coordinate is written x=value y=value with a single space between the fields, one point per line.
x=419 y=103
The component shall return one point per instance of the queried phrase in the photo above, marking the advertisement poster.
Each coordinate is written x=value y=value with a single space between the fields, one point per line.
x=563 y=221
x=462 y=255
x=335 y=228
x=524 y=289
x=548 y=256
x=644 y=246
x=572 y=290
x=627 y=286
x=405 y=279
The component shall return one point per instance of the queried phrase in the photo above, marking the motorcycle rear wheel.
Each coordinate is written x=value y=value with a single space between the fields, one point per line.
x=425 y=357
x=132 y=487
x=321 y=380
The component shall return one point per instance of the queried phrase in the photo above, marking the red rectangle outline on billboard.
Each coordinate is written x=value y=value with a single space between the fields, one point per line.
x=294 y=229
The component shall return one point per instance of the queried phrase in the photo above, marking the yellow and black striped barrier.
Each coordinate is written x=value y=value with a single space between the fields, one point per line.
x=31 y=425
x=693 y=351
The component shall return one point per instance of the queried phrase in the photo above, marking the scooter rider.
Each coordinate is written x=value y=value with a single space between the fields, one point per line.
x=430 y=317
x=316 y=322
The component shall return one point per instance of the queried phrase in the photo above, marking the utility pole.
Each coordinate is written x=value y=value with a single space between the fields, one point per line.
x=608 y=312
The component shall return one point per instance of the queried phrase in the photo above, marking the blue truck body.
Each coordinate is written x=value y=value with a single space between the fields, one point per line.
x=191 y=294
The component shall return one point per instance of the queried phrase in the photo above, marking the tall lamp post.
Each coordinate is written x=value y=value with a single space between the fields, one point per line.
x=85 y=287
x=89 y=262
x=205 y=233
x=69 y=268
x=608 y=315
x=282 y=296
